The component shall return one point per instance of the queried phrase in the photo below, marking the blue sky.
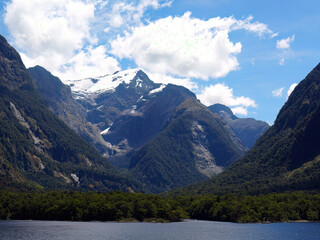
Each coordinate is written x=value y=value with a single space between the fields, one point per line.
x=245 y=54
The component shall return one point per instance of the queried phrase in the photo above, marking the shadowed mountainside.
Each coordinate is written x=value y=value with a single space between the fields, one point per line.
x=286 y=157
x=37 y=150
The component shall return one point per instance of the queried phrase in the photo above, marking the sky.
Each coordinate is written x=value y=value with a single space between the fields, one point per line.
x=246 y=54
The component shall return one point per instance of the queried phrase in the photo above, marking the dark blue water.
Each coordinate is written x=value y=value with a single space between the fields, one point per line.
x=202 y=230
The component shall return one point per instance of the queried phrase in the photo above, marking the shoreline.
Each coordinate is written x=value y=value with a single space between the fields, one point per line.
x=155 y=221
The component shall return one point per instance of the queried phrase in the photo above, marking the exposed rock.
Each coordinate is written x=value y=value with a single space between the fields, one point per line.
x=248 y=130
x=205 y=161
x=60 y=175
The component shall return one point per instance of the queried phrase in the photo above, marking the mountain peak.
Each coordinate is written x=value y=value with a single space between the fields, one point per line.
x=7 y=51
x=247 y=129
x=302 y=102
x=109 y=82
x=218 y=108
x=10 y=62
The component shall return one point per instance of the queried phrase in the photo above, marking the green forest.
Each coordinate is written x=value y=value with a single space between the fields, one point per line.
x=120 y=206
x=263 y=208
x=80 y=206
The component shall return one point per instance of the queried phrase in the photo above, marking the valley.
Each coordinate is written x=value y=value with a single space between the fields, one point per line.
x=115 y=140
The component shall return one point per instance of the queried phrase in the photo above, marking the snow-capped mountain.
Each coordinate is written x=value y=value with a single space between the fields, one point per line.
x=161 y=133
x=108 y=83
x=113 y=99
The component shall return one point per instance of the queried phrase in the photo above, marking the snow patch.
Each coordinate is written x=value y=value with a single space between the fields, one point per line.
x=159 y=89
x=104 y=132
x=139 y=82
x=104 y=83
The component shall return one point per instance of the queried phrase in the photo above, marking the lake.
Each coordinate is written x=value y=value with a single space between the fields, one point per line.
x=202 y=230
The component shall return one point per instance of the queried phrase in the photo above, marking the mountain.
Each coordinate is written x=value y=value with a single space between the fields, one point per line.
x=142 y=121
x=111 y=102
x=37 y=150
x=58 y=98
x=248 y=130
x=195 y=144
x=286 y=157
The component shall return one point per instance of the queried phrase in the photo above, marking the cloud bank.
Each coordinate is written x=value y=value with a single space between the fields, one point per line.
x=220 y=93
x=50 y=33
x=62 y=35
x=65 y=36
x=84 y=38
x=186 y=47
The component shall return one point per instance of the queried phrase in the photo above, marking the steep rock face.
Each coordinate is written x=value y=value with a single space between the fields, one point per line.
x=248 y=130
x=148 y=118
x=194 y=145
x=113 y=104
x=109 y=96
x=58 y=98
x=136 y=115
x=37 y=150
x=286 y=157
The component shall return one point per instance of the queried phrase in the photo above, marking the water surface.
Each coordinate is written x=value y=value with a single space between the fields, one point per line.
x=193 y=230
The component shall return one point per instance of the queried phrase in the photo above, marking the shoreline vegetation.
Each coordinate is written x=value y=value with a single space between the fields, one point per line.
x=138 y=207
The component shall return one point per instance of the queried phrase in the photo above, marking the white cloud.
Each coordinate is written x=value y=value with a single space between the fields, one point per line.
x=126 y=13
x=260 y=29
x=155 y=4
x=220 y=93
x=240 y=110
x=278 y=92
x=89 y=63
x=53 y=33
x=291 y=88
x=281 y=61
x=186 y=47
x=285 y=43
x=185 y=82
x=60 y=35
x=47 y=26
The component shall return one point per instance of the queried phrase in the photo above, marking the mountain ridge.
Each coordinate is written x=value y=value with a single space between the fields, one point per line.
x=194 y=145
x=137 y=111
x=248 y=130
x=286 y=157
x=37 y=150
x=133 y=115
x=125 y=114
x=58 y=98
